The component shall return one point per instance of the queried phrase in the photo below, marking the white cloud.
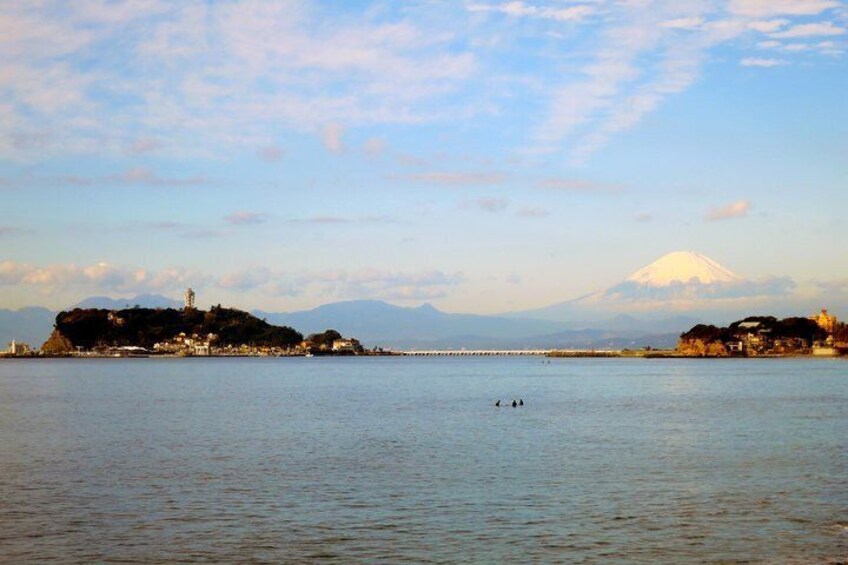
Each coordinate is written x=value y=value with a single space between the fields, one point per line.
x=810 y=30
x=737 y=209
x=131 y=176
x=342 y=284
x=104 y=277
x=448 y=178
x=334 y=138
x=491 y=204
x=578 y=185
x=145 y=145
x=374 y=146
x=246 y=279
x=206 y=77
x=765 y=8
x=518 y=9
x=100 y=277
x=532 y=212
x=642 y=59
x=335 y=220
x=828 y=48
x=767 y=26
x=641 y=62
x=271 y=153
x=221 y=73
x=244 y=218
x=692 y=22
x=761 y=62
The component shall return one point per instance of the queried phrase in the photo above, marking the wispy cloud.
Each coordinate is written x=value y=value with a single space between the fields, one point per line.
x=334 y=138
x=762 y=62
x=374 y=146
x=519 y=9
x=644 y=57
x=454 y=178
x=766 y=8
x=578 y=185
x=203 y=233
x=335 y=220
x=810 y=30
x=691 y=22
x=767 y=26
x=132 y=176
x=224 y=74
x=144 y=145
x=246 y=279
x=211 y=70
x=490 y=204
x=245 y=218
x=532 y=212
x=165 y=225
x=271 y=153
x=344 y=284
x=828 y=48
x=737 y=209
x=101 y=276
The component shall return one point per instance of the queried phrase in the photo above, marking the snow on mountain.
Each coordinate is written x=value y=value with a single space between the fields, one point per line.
x=683 y=267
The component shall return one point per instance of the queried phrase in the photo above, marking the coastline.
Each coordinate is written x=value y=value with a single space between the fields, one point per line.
x=554 y=354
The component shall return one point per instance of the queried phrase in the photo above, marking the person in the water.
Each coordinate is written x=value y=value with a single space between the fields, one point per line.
x=498 y=403
x=521 y=402
x=514 y=403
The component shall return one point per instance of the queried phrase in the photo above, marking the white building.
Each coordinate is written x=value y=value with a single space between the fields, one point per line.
x=345 y=344
x=189 y=299
x=16 y=348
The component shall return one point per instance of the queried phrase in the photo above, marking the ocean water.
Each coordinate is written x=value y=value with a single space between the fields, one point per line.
x=406 y=460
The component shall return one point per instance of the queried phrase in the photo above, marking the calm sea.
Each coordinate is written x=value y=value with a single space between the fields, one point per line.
x=400 y=460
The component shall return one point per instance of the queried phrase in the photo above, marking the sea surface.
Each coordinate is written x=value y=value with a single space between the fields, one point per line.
x=406 y=460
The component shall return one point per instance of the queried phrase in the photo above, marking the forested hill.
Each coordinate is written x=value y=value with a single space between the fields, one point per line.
x=144 y=327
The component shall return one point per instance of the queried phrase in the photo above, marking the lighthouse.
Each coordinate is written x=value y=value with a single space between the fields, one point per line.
x=189 y=299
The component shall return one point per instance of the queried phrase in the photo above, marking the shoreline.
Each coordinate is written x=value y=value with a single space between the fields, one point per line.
x=554 y=354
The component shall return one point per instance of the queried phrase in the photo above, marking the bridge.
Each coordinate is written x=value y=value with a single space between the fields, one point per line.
x=474 y=352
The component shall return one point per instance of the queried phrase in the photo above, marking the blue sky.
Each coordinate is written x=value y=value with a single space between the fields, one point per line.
x=480 y=156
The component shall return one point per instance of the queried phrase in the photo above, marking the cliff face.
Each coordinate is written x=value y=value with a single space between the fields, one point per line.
x=57 y=344
x=144 y=327
x=700 y=348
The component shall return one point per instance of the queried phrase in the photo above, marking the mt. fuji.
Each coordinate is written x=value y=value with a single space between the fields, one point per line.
x=678 y=282
x=683 y=267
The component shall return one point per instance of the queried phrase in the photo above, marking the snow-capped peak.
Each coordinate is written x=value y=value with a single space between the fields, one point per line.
x=683 y=267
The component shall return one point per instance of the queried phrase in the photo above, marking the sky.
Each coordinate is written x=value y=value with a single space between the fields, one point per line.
x=481 y=156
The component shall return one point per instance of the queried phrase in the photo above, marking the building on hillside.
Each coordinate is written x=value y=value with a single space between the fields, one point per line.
x=19 y=348
x=189 y=299
x=346 y=345
x=826 y=321
x=754 y=338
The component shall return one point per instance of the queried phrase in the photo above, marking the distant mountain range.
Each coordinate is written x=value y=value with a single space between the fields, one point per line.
x=142 y=301
x=30 y=325
x=652 y=307
x=386 y=325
